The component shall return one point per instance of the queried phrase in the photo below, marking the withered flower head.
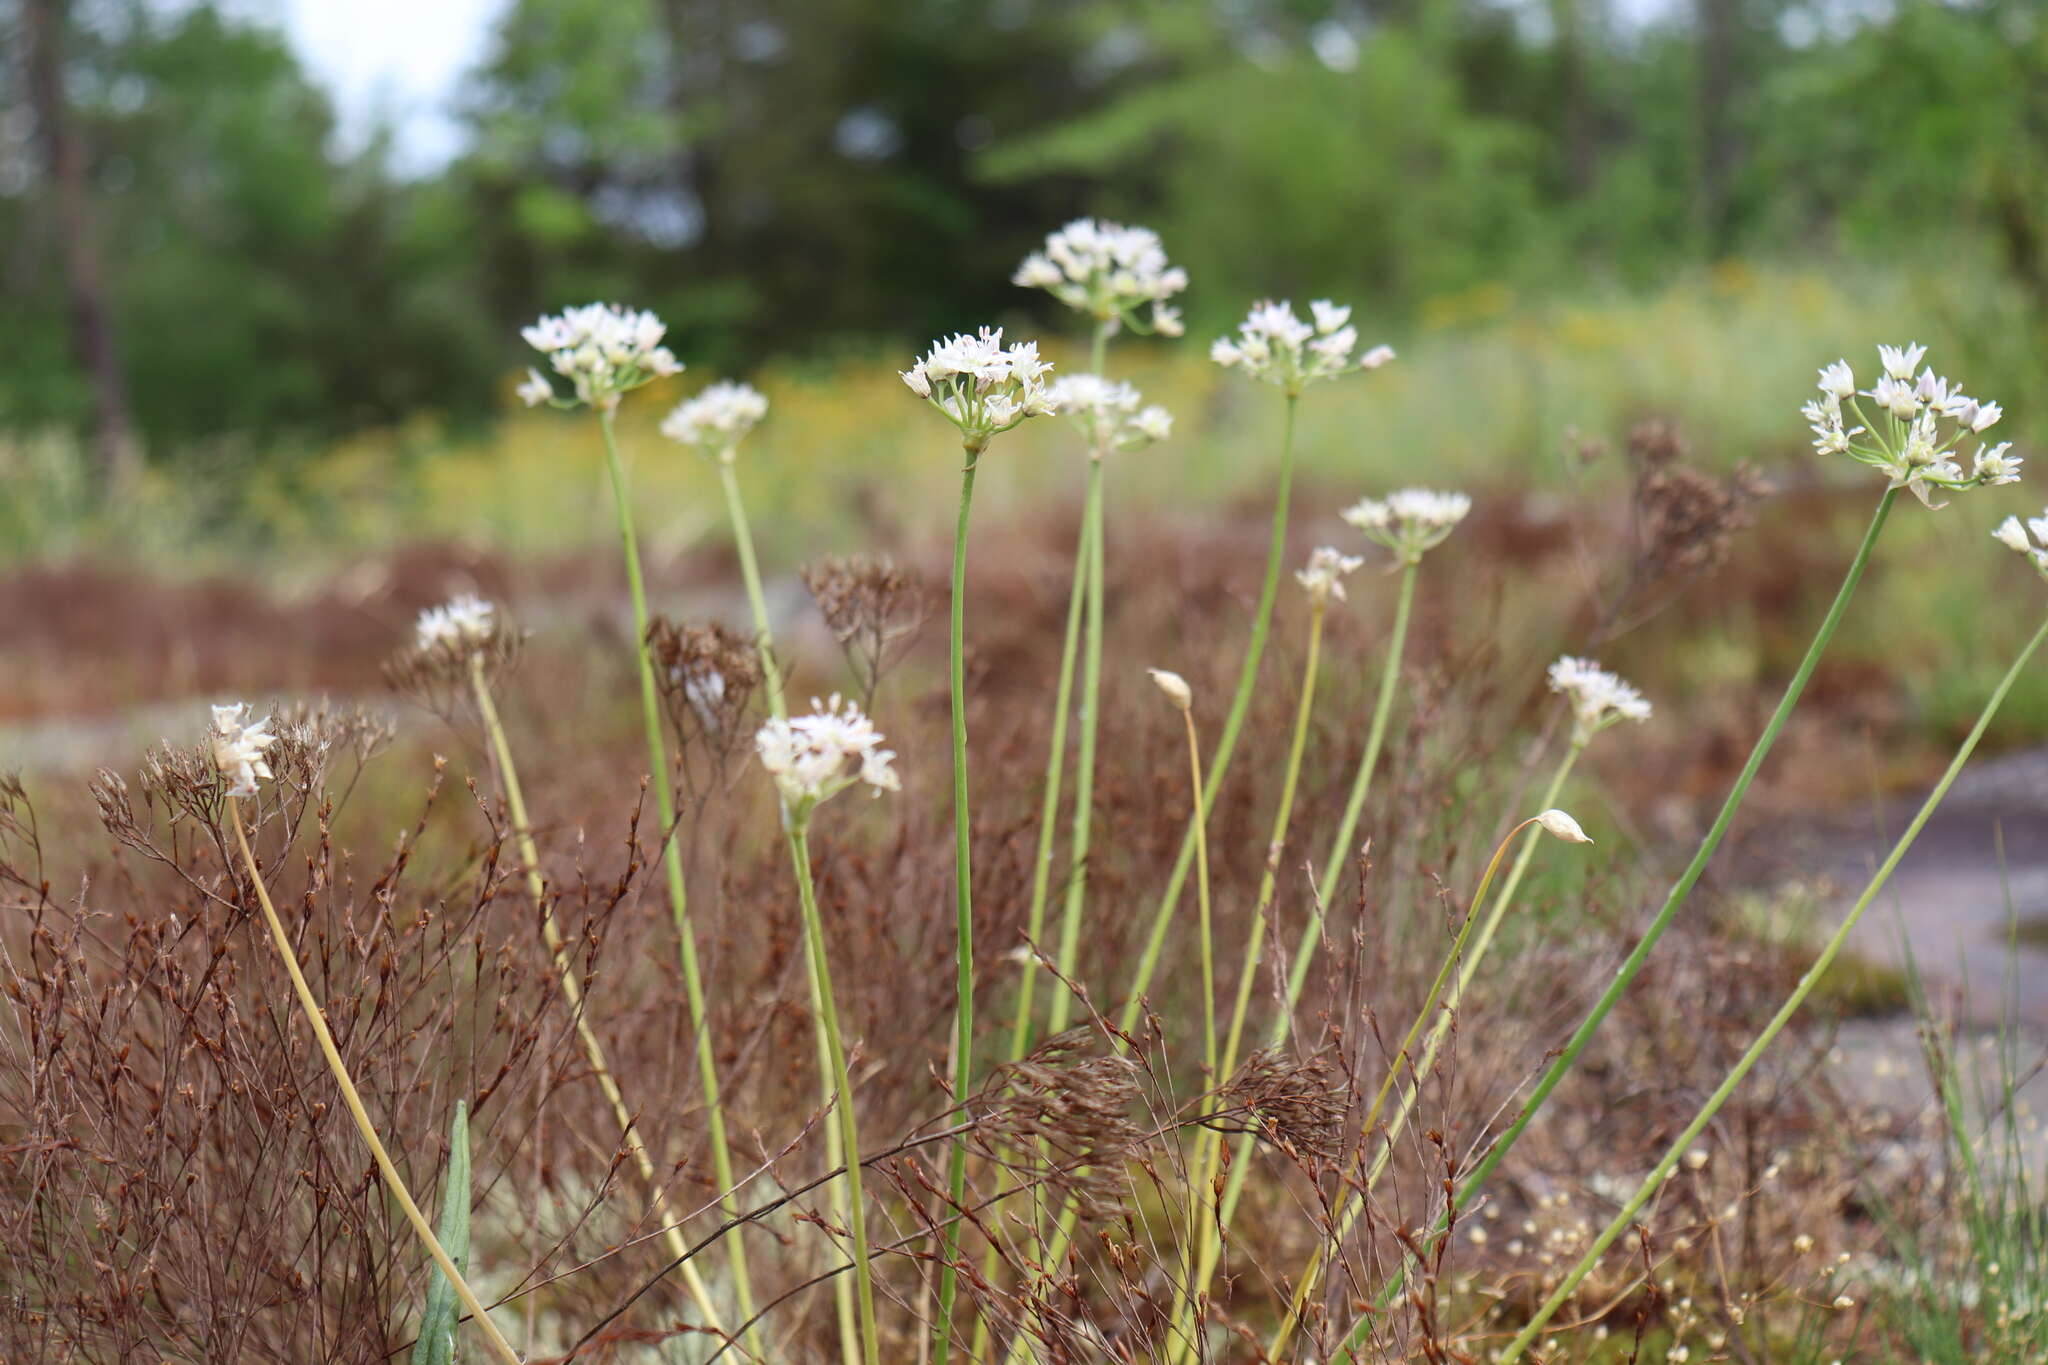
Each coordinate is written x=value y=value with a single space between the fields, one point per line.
x=1077 y=1103
x=873 y=608
x=707 y=675
x=1295 y=1103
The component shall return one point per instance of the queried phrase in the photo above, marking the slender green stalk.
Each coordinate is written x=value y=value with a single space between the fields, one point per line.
x=1209 y=1147
x=1084 y=775
x=1807 y=981
x=848 y=1123
x=1354 y=806
x=672 y=864
x=1240 y=704
x=778 y=706
x=1680 y=890
x=572 y=988
x=1233 y=723
x=750 y=574
x=393 y=1181
x=963 y=904
x=1469 y=958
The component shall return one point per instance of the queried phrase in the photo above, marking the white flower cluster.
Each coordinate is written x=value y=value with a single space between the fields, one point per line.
x=1109 y=413
x=1274 y=345
x=983 y=388
x=601 y=349
x=1411 y=522
x=1921 y=422
x=813 y=758
x=457 y=625
x=238 y=747
x=715 y=421
x=2013 y=534
x=1324 y=576
x=1107 y=271
x=1598 y=698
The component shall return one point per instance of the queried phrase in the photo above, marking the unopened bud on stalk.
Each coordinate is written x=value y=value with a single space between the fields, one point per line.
x=1563 y=826
x=1174 y=686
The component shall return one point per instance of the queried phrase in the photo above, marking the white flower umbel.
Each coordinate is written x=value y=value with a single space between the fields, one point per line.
x=1275 y=346
x=983 y=387
x=715 y=421
x=2029 y=538
x=1916 y=431
x=1598 y=698
x=1111 y=415
x=1109 y=272
x=238 y=747
x=458 y=625
x=813 y=758
x=602 y=350
x=1411 y=522
x=1324 y=576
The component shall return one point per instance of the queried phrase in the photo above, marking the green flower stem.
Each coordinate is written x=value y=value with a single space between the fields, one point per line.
x=1807 y=981
x=848 y=1123
x=1055 y=765
x=1247 y=682
x=572 y=989
x=1680 y=890
x=393 y=1181
x=1354 y=806
x=1084 y=776
x=1469 y=959
x=750 y=574
x=1226 y=744
x=963 y=904
x=1209 y=1149
x=778 y=706
x=678 y=894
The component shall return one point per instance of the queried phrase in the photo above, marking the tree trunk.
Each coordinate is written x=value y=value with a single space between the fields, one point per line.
x=92 y=315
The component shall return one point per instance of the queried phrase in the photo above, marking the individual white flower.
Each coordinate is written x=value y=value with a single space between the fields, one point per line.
x=1108 y=271
x=238 y=747
x=1411 y=522
x=536 y=389
x=2014 y=536
x=603 y=350
x=1324 y=576
x=714 y=422
x=1275 y=346
x=1900 y=361
x=1922 y=421
x=1598 y=698
x=815 y=757
x=1174 y=686
x=457 y=625
x=1563 y=826
x=982 y=387
x=1110 y=413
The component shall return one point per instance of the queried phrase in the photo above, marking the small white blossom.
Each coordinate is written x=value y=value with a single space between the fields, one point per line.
x=457 y=625
x=2014 y=536
x=1324 y=576
x=1920 y=423
x=1107 y=271
x=815 y=757
x=1411 y=522
x=536 y=389
x=1110 y=414
x=1598 y=698
x=714 y=422
x=1174 y=686
x=603 y=350
x=982 y=387
x=1275 y=346
x=238 y=747
x=1563 y=826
